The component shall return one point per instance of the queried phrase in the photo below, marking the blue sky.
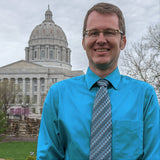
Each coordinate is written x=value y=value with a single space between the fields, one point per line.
x=19 y=17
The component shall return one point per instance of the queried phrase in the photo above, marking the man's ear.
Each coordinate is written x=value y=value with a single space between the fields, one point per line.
x=83 y=44
x=123 y=42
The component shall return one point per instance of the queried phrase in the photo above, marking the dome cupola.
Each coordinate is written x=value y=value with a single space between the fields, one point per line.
x=48 y=44
x=48 y=15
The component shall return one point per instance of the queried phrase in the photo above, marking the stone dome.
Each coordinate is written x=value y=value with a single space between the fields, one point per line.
x=48 y=32
x=48 y=45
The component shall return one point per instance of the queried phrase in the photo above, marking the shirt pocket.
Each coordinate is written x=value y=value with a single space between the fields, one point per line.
x=128 y=139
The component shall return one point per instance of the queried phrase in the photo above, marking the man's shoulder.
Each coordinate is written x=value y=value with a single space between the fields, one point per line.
x=70 y=82
x=136 y=83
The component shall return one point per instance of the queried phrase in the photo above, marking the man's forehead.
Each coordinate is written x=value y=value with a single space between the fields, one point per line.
x=96 y=19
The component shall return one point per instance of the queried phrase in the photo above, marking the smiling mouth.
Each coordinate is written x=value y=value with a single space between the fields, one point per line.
x=102 y=50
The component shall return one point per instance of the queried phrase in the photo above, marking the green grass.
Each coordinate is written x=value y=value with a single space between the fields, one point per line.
x=17 y=150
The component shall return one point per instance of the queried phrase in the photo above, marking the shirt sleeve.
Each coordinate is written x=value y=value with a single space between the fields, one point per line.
x=49 y=142
x=151 y=126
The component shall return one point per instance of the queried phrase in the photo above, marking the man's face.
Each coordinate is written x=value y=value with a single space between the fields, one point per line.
x=103 y=51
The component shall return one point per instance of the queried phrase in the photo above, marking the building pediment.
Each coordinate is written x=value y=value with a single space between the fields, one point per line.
x=22 y=67
x=21 y=64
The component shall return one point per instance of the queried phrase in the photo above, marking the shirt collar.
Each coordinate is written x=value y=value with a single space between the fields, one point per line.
x=114 y=78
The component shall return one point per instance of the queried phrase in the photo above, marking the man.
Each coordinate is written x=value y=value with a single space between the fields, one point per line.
x=68 y=119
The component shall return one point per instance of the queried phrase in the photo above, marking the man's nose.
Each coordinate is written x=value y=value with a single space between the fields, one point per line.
x=101 y=38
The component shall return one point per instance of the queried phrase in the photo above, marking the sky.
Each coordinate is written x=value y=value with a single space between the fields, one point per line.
x=19 y=17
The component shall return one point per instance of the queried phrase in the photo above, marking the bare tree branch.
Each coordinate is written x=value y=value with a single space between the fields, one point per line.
x=142 y=60
x=8 y=93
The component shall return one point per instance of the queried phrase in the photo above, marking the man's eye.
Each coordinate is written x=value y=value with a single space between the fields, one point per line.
x=94 y=33
x=109 y=33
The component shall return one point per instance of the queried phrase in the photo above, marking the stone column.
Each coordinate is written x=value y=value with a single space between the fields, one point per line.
x=56 y=52
x=31 y=90
x=30 y=53
x=69 y=54
x=16 y=83
x=64 y=55
x=47 y=52
x=38 y=55
x=38 y=92
x=23 y=90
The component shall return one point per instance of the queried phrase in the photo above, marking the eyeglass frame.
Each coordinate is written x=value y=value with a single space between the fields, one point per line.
x=103 y=31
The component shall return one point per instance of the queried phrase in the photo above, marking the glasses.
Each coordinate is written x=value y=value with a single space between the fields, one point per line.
x=94 y=33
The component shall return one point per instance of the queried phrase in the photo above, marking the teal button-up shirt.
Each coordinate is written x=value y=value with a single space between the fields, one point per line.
x=66 y=119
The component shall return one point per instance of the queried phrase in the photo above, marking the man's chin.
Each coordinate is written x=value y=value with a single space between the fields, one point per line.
x=102 y=66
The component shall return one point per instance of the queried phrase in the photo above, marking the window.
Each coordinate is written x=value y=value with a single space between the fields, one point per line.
x=27 y=85
x=35 y=54
x=20 y=83
x=12 y=80
x=34 y=85
x=27 y=99
x=13 y=86
x=33 y=110
x=42 y=85
x=51 y=56
x=34 y=99
x=42 y=56
x=59 y=55
x=5 y=79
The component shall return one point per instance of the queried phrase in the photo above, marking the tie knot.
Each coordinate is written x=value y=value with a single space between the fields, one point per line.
x=102 y=82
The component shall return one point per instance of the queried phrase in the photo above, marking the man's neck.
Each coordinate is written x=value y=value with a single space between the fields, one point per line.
x=102 y=73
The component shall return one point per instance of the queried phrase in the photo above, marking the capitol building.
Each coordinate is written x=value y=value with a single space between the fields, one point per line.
x=47 y=61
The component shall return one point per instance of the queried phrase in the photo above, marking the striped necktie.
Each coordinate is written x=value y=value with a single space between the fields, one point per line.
x=101 y=127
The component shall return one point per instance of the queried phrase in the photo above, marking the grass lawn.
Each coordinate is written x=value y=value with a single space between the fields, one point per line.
x=17 y=150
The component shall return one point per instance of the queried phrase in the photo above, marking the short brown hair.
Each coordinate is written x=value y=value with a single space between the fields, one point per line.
x=106 y=8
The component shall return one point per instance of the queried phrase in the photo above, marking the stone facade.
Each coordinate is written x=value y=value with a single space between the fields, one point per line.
x=47 y=61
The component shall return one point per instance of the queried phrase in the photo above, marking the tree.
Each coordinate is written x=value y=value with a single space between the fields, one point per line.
x=3 y=123
x=8 y=92
x=142 y=60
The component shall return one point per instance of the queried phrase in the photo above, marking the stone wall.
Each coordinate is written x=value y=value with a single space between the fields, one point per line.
x=28 y=127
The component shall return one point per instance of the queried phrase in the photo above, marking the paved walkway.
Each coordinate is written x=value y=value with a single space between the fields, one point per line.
x=19 y=138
